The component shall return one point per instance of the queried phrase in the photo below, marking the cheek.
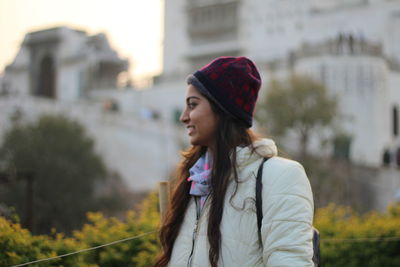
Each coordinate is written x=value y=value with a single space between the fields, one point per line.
x=212 y=122
x=204 y=119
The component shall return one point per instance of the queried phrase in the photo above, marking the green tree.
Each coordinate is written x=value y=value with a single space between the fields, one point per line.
x=300 y=104
x=65 y=171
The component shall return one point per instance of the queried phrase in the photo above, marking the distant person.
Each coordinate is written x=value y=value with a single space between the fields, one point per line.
x=386 y=157
x=340 y=43
x=211 y=220
x=351 y=43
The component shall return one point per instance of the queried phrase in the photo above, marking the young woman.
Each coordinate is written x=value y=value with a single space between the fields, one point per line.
x=211 y=220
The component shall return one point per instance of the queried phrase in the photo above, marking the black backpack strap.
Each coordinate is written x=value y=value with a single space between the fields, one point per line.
x=258 y=196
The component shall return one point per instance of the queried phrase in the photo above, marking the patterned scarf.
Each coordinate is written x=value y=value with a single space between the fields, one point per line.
x=199 y=176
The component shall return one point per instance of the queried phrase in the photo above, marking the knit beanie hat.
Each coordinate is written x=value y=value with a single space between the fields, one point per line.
x=232 y=83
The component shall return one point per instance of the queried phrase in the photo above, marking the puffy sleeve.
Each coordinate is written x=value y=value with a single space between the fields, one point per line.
x=288 y=210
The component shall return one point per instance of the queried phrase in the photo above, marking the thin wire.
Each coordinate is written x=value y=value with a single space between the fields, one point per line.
x=366 y=239
x=86 y=249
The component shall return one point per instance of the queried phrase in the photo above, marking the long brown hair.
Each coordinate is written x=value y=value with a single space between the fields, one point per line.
x=230 y=133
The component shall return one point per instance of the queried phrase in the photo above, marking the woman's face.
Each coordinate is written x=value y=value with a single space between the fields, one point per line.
x=199 y=118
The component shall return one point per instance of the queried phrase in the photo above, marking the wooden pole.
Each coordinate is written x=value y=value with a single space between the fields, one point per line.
x=163 y=198
x=30 y=223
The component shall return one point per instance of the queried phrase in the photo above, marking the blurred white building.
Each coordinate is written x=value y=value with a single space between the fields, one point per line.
x=353 y=46
x=62 y=64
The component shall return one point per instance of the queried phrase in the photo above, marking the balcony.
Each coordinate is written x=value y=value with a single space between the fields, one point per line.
x=215 y=22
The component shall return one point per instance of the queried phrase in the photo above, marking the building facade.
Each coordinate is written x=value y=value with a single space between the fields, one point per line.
x=62 y=64
x=357 y=59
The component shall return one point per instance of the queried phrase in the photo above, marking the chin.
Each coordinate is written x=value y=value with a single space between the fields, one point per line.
x=195 y=142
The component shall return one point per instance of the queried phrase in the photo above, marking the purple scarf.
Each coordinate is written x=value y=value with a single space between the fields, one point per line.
x=199 y=176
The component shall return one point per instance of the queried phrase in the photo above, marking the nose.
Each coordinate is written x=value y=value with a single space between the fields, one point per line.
x=184 y=118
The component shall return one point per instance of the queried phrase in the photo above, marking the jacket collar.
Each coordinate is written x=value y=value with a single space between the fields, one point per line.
x=261 y=148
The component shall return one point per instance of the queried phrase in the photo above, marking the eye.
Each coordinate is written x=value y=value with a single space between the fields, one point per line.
x=191 y=105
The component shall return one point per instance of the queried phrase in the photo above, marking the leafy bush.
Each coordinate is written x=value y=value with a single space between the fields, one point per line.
x=136 y=252
x=18 y=245
x=348 y=239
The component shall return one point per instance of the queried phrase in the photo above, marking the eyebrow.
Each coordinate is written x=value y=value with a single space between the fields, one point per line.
x=190 y=97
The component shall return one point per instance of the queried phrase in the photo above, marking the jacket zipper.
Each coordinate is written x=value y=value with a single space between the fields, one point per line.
x=195 y=229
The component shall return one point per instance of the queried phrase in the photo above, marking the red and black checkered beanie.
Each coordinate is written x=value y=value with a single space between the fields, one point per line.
x=232 y=83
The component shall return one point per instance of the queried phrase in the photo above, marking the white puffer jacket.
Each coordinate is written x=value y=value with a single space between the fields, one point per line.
x=287 y=217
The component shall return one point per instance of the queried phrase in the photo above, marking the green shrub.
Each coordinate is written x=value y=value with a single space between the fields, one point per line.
x=136 y=252
x=18 y=245
x=348 y=239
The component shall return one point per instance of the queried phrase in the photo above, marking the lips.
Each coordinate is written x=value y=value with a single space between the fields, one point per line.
x=190 y=129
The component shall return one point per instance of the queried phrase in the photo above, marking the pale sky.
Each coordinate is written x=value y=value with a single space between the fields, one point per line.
x=133 y=27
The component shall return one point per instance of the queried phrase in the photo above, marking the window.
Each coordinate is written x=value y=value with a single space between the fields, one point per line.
x=46 y=83
x=213 y=22
x=341 y=147
x=395 y=121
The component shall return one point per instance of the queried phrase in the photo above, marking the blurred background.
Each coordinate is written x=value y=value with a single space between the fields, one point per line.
x=91 y=93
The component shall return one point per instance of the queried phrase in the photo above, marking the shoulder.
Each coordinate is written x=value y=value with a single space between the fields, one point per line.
x=280 y=162
x=285 y=176
x=280 y=166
